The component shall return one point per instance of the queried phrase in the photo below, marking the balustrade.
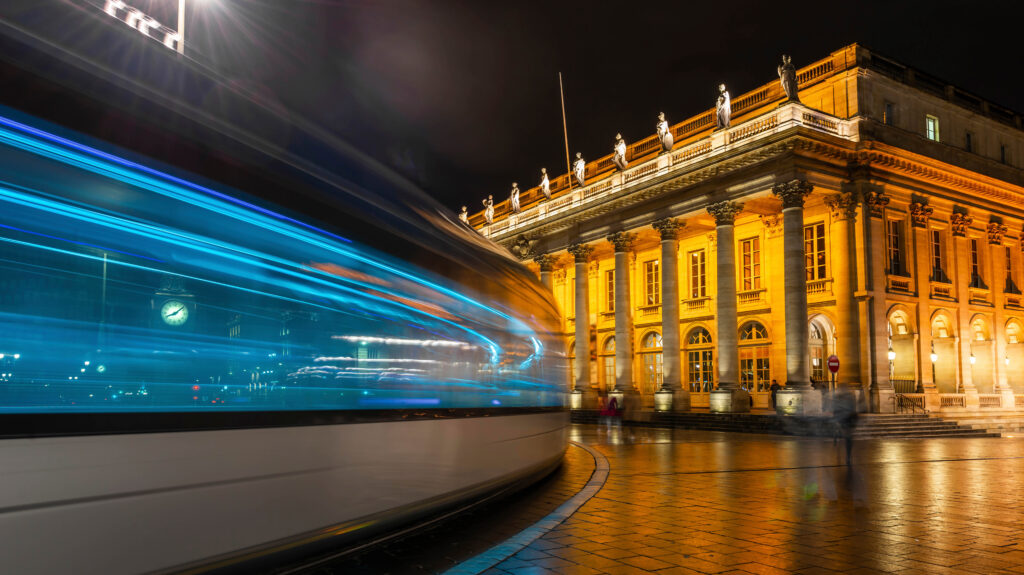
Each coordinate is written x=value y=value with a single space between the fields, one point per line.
x=990 y=400
x=898 y=284
x=751 y=296
x=942 y=290
x=696 y=304
x=822 y=286
x=952 y=400
x=650 y=310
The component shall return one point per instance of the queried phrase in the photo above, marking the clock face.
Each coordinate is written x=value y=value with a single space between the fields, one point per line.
x=174 y=312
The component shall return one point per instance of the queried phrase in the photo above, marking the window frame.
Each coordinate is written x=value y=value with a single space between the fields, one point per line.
x=750 y=271
x=931 y=128
x=816 y=263
x=609 y=291
x=698 y=277
x=652 y=282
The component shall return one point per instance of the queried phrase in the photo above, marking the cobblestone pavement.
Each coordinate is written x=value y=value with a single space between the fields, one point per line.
x=684 y=502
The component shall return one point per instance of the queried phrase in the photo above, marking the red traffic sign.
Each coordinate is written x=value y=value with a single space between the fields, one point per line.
x=833 y=364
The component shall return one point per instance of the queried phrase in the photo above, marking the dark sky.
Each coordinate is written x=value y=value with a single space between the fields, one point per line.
x=463 y=96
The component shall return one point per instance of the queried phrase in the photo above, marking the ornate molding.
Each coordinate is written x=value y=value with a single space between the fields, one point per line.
x=919 y=214
x=522 y=247
x=792 y=193
x=581 y=252
x=876 y=202
x=623 y=241
x=959 y=222
x=546 y=262
x=669 y=228
x=772 y=224
x=996 y=231
x=843 y=206
x=725 y=212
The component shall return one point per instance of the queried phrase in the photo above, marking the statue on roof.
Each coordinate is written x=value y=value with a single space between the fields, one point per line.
x=513 y=199
x=545 y=183
x=464 y=215
x=664 y=134
x=579 y=168
x=787 y=75
x=723 y=109
x=619 y=157
x=489 y=209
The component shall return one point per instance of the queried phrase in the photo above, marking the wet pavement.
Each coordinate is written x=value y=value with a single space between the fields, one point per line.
x=684 y=502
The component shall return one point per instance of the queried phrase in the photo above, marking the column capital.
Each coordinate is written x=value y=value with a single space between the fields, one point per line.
x=725 y=212
x=772 y=224
x=623 y=241
x=581 y=252
x=668 y=228
x=959 y=221
x=842 y=205
x=996 y=231
x=876 y=202
x=792 y=193
x=919 y=214
x=546 y=262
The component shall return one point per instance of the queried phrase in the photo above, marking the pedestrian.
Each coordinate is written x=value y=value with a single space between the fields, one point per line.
x=845 y=416
x=775 y=390
x=614 y=413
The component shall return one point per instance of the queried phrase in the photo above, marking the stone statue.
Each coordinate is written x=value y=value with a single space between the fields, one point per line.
x=464 y=215
x=545 y=183
x=513 y=199
x=787 y=75
x=664 y=134
x=489 y=209
x=619 y=158
x=579 y=168
x=723 y=110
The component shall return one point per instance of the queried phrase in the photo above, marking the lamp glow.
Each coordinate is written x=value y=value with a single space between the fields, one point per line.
x=892 y=355
x=973 y=359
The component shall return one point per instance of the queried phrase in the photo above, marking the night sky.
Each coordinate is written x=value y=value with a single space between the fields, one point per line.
x=462 y=97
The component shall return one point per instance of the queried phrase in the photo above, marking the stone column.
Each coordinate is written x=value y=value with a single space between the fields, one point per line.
x=920 y=214
x=623 y=243
x=996 y=232
x=798 y=397
x=844 y=278
x=589 y=399
x=672 y=396
x=873 y=208
x=960 y=222
x=729 y=397
x=547 y=264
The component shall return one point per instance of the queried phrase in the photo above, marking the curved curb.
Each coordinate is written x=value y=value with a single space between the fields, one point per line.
x=516 y=543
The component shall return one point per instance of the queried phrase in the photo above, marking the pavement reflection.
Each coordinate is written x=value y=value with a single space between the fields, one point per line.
x=684 y=501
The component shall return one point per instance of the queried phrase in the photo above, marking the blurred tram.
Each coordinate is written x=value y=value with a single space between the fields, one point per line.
x=225 y=334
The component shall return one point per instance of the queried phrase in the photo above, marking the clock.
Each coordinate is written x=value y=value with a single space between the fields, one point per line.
x=174 y=312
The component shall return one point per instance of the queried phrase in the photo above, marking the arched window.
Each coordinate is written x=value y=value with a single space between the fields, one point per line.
x=700 y=365
x=940 y=327
x=608 y=362
x=980 y=329
x=1013 y=332
x=754 y=351
x=818 y=345
x=650 y=349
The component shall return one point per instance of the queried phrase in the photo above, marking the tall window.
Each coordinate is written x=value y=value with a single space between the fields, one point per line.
x=938 y=269
x=976 y=280
x=1002 y=153
x=699 y=360
x=817 y=347
x=755 y=369
x=751 y=253
x=609 y=290
x=652 y=284
x=894 y=241
x=1011 y=286
x=814 y=251
x=650 y=348
x=698 y=275
x=608 y=362
x=931 y=128
x=969 y=142
x=888 y=111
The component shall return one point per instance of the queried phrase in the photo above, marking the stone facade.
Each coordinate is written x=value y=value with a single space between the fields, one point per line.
x=880 y=218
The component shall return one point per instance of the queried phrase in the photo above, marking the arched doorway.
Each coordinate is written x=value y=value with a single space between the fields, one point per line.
x=902 y=369
x=1015 y=355
x=982 y=373
x=944 y=346
x=608 y=364
x=653 y=358
x=700 y=365
x=821 y=344
x=755 y=366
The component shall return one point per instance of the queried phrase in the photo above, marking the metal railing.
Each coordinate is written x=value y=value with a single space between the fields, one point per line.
x=903 y=403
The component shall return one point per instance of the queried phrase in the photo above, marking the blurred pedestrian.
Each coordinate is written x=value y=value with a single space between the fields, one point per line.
x=775 y=390
x=844 y=414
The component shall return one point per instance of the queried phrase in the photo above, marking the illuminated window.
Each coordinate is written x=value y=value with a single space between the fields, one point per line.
x=652 y=283
x=608 y=353
x=814 y=251
x=755 y=366
x=931 y=128
x=894 y=246
x=750 y=250
x=938 y=267
x=817 y=347
x=653 y=358
x=699 y=360
x=1011 y=285
x=609 y=290
x=698 y=275
x=976 y=281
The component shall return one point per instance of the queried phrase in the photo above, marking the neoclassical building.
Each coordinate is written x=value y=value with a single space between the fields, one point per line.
x=875 y=215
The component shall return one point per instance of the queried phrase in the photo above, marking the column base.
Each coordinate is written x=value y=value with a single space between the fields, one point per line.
x=971 y=401
x=1008 y=401
x=585 y=399
x=882 y=400
x=798 y=402
x=672 y=400
x=932 y=402
x=729 y=401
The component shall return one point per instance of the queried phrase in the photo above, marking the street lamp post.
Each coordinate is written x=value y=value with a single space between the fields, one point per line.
x=934 y=357
x=892 y=360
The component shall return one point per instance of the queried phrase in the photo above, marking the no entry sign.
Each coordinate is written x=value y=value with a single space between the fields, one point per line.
x=833 y=364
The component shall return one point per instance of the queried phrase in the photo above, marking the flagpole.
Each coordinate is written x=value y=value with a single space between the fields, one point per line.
x=565 y=132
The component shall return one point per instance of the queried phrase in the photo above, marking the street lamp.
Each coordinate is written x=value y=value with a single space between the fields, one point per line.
x=892 y=360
